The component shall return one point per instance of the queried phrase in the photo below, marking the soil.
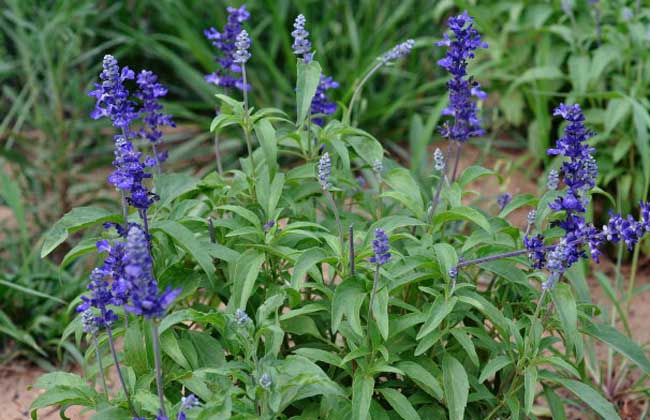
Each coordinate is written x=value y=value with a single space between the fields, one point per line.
x=16 y=378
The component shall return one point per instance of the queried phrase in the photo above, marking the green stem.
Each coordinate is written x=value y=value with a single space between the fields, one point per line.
x=357 y=90
x=100 y=365
x=375 y=283
x=158 y=364
x=339 y=225
x=111 y=344
x=247 y=128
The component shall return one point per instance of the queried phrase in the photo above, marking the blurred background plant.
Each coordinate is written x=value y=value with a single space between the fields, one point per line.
x=54 y=157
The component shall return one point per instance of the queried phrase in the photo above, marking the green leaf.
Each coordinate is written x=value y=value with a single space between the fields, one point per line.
x=266 y=135
x=422 y=377
x=463 y=213
x=186 y=239
x=246 y=271
x=112 y=413
x=446 y=257
x=308 y=79
x=171 y=186
x=348 y=298
x=306 y=262
x=591 y=397
x=86 y=246
x=380 y=312
x=537 y=73
x=400 y=403
x=493 y=366
x=77 y=219
x=618 y=341
x=567 y=311
x=438 y=311
x=472 y=173
x=362 y=388
x=466 y=343
x=405 y=190
x=517 y=202
x=10 y=192
x=530 y=381
x=456 y=386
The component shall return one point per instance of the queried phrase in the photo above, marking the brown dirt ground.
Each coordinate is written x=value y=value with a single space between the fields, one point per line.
x=16 y=378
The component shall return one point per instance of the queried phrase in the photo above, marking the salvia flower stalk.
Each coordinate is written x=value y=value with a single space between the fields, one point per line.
x=228 y=75
x=397 y=52
x=301 y=44
x=324 y=171
x=150 y=92
x=462 y=89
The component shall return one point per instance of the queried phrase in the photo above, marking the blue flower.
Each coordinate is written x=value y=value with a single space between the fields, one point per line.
x=320 y=104
x=398 y=51
x=266 y=381
x=228 y=74
x=536 y=250
x=150 y=91
x=241 y=317
x=145 y=300
x=187 y=403
x=112 y=98
x=504 y=200
x=324 y=171
x=553 y=180
x=100 y=297
x=380 y=246
x=243 y=43
x=301 y=45
x=438 y=160
x=129 y=174
x=461 y=89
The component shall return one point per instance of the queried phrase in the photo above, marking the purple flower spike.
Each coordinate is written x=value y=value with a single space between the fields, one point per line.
x=111 y=95
x=150 y=91
x=380 y=246
x=461 y=89
x=138 y=272
x=301 y=45
x=228 y=75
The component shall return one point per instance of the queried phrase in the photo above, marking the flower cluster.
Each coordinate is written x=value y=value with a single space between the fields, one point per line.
x=301 y=45
x=242 y=44
x=130 y=172
x=324 y=171
x=138 y=271
x=113 y=102
x=461 y=89
x=579 y=172
x=438 y=160
x=187 y=403
x=321 y=104
x=100 y=297
x=381 y=248
x=504 y=200
x=398 y=51
x=112 y=97
x=228 y=76
x=149 y=92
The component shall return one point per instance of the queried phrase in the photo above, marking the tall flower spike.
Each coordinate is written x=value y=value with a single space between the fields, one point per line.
x=243 y=43
x=146 y=300
x=398 y=51
x=438 y=160
x=320 y=104
x=150 y=92
x=381 y=248
x=301 y=45
x=324 y=171
x=461 y=89
x=112 y=98
x=227 y=75
x=553 y=180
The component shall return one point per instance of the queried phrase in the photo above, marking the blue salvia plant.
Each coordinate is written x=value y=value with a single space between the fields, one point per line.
x=435 y=309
